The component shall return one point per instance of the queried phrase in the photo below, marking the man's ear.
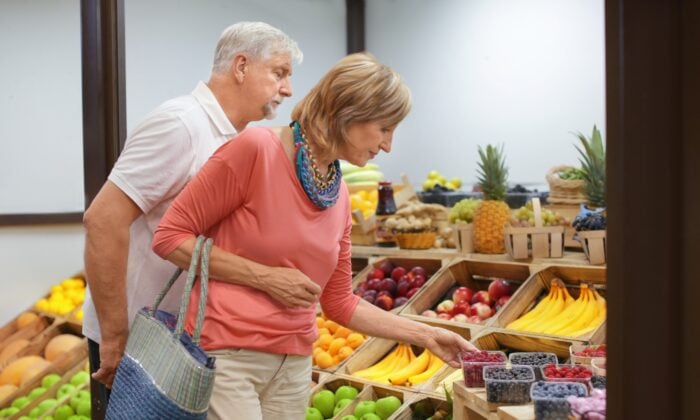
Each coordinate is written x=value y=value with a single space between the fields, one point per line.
x=239 y=67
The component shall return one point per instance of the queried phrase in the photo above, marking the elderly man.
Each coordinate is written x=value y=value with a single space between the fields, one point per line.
x=250 y=78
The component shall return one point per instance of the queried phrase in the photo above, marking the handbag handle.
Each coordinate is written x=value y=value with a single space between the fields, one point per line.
x=191 y=275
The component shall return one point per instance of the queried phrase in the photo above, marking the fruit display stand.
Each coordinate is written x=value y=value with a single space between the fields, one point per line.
x=463 y=272
x=471 y=404
x=525 y=298
x=422 y=407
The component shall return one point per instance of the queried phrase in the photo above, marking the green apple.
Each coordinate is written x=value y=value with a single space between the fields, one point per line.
x=349 y=417
x=50 y=379
x=77 y=417
x=313 y=414
x=386 y=406
x=325 y=402
x=9 y=411
x=36 y=412
x=34 y=393
x=80 y=378
x=47 y=404
x=364 y=407
x=370 y=416
x=340 y=405
x=64 y=390
x=63 y=412
x=84 y=408
x=345 y=392
x=20 y=402
x=82 y=395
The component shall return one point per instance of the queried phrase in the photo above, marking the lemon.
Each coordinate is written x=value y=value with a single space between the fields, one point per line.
x=433 y=174
x=456 y=182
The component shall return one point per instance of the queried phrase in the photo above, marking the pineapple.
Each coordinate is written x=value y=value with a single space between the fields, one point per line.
x=493 y=214
x=593 y=166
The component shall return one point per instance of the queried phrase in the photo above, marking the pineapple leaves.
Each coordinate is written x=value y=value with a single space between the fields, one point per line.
x=593 y=166
x=492 y=173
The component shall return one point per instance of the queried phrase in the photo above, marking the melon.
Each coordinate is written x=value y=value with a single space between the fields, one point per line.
x=12 y=374
x=12 y=349
x=33 y=370
x=25 y=319
x=6 y=390
x=59 y=345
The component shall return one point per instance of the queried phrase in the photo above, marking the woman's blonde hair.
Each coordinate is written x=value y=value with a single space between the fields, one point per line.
x=357 y=89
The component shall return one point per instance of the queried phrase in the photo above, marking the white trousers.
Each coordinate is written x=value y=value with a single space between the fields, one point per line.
x=253 y=385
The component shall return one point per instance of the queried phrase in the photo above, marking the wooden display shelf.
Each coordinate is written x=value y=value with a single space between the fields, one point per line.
x=471 y=404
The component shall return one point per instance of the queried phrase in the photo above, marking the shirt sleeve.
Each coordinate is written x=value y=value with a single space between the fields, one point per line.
x=217 y=190
x=156 y=160
x=337 y=300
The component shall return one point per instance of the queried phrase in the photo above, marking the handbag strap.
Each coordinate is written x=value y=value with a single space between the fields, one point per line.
x=191 y=275
x=204 y=287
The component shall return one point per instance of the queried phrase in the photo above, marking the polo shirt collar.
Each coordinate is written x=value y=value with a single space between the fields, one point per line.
x=211 y=106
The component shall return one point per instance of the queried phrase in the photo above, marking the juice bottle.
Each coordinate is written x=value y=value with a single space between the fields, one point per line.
x=385 y=208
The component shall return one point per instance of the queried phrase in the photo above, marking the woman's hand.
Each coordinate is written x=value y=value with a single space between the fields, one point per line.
x=447 y=345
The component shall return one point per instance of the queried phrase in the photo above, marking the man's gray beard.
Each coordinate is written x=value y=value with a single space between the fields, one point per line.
x=270 y=112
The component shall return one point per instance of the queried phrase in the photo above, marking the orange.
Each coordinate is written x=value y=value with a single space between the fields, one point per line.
x=322 y=331
x=355 y=339
x=345 y=352
x=324 y=341
x=335 y=345
x=316 y=351
x=336 y=360
x=342 y=332
x=324 y=360
x=331 y=325
x=320 y=321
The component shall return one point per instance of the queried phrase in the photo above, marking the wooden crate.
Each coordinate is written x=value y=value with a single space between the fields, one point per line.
x=37 y=344
x=28 y=332
x=535 y=242
x=595 y=246
x=509 y=341
x=422 y=407
x=60 y=365
x=372 y=392
x=463 y=237
x=470 y=403
x=526 y=297
x=332 y=383
x=463 y=272
x=362 y=232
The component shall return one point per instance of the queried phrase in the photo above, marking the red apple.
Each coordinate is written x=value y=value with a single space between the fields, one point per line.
x=446 y=306
x=480 y=297
x=399 y=301
x=385 y=302
x=429 y=313
x=373 y=284
x=460 y=318
x=481 y=310
x=444 y=315
x=403 y=287
x=397 y=273
x=498 y=288
x=412 y=292
x=501 y=301
x=386 y=266
x=474 y=319
x=376 y=273
x=419 y=270
x=461 y=308
x=462 y=294
x=418 y=280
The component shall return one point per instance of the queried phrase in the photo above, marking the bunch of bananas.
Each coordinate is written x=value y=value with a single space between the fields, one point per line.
x=402 y=367
x=446 y=384
x=559 y=314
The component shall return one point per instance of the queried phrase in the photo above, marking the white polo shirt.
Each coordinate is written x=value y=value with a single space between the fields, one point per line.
x=160 y=156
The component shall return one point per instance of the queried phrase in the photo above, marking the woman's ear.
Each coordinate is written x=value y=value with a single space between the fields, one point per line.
x=239 y=67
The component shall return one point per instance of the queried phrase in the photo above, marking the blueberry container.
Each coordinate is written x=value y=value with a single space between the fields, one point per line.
x=549 y=398
x=508 y=385
x=535 y=359
x=474 y=370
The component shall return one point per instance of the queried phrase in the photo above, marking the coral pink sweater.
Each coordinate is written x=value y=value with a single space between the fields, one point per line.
x=248 y=198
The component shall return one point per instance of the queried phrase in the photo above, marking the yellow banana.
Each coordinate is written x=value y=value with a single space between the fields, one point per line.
x=416 y=366
x=553 y=311
x=401 y=362
x=590 y=312
x=595 y=322
x=569 y=314
x=535 y=312
x=381 y=366
x=435 y=364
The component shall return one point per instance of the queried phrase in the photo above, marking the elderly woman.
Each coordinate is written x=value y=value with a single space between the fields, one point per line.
x=274 y=199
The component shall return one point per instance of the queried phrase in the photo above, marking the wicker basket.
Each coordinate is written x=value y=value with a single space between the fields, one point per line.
x=564 y=191
x=416 y=240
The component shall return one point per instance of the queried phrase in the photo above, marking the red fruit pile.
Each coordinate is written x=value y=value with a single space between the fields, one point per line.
x=592 y=351
x=473 y=365
x=463 y=304
x=389 y=286
x=575 y=373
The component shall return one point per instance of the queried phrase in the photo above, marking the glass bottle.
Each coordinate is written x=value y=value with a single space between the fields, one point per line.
x=385 y=208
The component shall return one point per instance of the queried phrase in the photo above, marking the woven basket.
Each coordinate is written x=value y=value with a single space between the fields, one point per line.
x=564 y=191
x=416 y=240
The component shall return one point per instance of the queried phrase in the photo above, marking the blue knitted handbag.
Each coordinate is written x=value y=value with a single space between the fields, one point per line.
x=164 y=374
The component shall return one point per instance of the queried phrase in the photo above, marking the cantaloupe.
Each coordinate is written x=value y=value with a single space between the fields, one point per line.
x=25 y=319
x=59 y=345
x=6 y=390
x=33 y=370
x=12 y=349
x=12 y=374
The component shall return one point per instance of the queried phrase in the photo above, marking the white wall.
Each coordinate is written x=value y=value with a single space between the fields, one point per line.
x=522 y=73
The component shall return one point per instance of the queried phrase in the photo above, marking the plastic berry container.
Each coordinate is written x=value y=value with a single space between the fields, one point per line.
x=550 y=398
x=582 y=354
x=508 y=385
x=473 y=364
x=567 y=373
x=598 y=365
x=535 y=359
